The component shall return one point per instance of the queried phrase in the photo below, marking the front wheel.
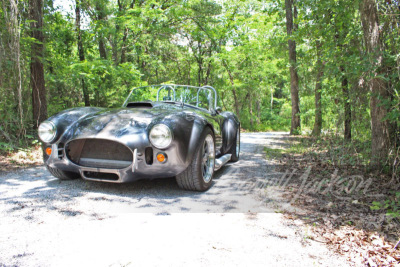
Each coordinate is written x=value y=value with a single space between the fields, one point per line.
x=198 y=176
x=235 y=148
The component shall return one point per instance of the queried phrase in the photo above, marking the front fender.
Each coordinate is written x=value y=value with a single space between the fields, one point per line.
x=194 y=142
x=187 y=130
x=67 y=118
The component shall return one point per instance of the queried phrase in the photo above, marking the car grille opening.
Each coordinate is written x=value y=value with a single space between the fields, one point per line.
x=101 y=175
x=60 y=149
x=149 y=155
x=99 y=153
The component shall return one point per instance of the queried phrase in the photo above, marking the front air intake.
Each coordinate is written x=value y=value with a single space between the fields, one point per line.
x=99 y=153
x=149 y=155
x=101 y=176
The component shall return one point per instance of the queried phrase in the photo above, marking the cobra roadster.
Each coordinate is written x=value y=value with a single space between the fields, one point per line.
x=160 y=131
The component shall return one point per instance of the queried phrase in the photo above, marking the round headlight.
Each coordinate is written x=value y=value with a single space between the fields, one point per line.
x=160 y=136
x=47 y=131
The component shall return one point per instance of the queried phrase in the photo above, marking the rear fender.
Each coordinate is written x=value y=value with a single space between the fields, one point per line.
x=229 y=129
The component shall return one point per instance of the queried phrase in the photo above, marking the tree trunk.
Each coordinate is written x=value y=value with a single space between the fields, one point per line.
x=294 y=78
x=200 y=71
x=12 y=19
x=188 y=77
x=125 y=37
x=102 y=49
x=81 y=52
x=347 y=106
x=251 y=112
x=272 y=99
x=101 y=17
x=345 y=84
x=208 y=72
x=318 y=88
x=379 y=125
x=39 y=103
x=237 y=109
x=123 y=48
x=258 y=106
x=235 y=98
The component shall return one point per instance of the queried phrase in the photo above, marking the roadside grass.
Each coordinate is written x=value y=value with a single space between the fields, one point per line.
x=274 y=153
x=331 y=150
x=349 y=206
x=294 y=148
x=26 y=157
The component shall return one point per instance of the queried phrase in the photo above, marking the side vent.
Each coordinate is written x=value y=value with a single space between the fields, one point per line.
x=60 y=149
x=149 y=155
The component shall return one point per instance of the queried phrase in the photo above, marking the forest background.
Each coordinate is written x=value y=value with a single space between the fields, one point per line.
x=310 y=67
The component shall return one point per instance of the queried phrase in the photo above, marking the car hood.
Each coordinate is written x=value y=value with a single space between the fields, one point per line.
x=122 y=122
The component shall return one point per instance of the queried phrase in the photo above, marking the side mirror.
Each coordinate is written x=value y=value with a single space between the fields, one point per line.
x=218 y=109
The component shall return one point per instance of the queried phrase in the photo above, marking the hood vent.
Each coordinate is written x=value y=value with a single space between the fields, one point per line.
x=139 y=105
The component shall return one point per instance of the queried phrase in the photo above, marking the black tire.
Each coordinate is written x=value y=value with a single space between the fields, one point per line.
x=63 y=175
x=193 y=177
x=235 y=148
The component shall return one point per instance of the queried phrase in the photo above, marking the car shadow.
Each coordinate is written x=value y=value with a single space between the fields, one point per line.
x=233 y=190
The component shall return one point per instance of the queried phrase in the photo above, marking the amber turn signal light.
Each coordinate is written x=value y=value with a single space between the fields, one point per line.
x=48 y=151
x=161 y=157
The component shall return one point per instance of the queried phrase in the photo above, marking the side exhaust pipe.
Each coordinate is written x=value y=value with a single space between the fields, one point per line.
x=219 y=162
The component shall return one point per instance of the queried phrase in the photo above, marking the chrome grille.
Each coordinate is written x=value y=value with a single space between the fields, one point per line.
x=99 y=153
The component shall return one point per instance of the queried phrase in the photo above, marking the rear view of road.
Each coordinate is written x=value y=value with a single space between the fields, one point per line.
x=47 y=222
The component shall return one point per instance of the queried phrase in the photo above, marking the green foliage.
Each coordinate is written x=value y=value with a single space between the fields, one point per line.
x=109 y=84
x=391 y=206
x=295 y=148
x=273 y=153
x=6 y=147
x=239 y=47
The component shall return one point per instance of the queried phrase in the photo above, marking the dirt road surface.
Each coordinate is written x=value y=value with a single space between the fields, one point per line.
x=47 y=222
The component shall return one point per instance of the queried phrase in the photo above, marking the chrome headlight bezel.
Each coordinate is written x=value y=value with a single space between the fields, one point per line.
x=47 y=131
x=160 y=136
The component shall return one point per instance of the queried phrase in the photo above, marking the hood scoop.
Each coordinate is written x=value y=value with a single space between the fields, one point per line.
x=139 y=105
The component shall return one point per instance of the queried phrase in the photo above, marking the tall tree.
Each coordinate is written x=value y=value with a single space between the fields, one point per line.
x=318 y=88
x=294 y=78
x=39 y=103
x=101 y=18
x=122 y=11
x=377 y=86
x=231 y=79
x=81 y=52
x=347 y=106
x=12 y=53
x=341 y=33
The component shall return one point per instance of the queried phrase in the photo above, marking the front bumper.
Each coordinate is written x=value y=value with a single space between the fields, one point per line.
x=138 y=169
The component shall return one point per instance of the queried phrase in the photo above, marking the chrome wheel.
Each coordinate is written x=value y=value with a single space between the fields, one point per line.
x=199 y=174
x=208 y=159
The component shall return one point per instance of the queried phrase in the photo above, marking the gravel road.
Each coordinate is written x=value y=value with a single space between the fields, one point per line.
x=47 y=222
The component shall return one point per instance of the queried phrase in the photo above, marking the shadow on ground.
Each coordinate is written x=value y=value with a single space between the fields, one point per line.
x=234 y=189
